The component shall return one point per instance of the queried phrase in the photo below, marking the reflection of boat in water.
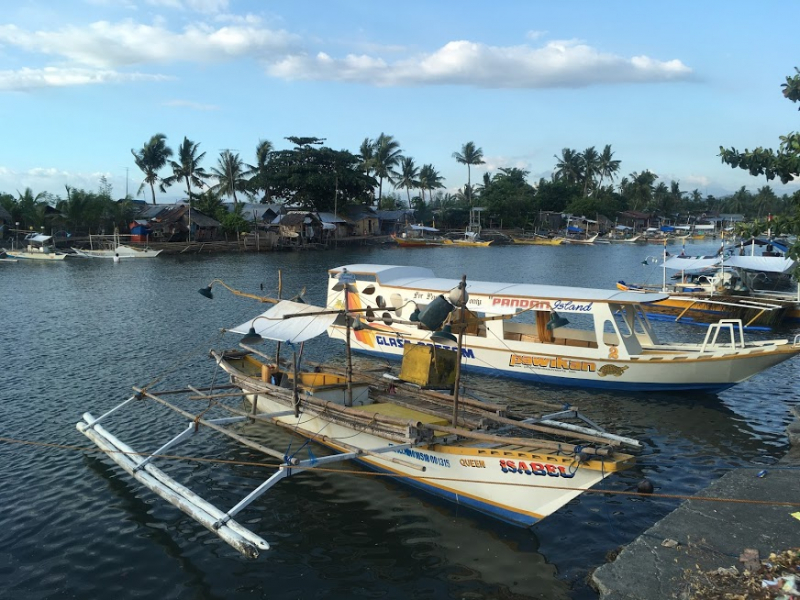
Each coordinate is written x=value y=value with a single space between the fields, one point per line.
x=514 y=466
x=610 y=346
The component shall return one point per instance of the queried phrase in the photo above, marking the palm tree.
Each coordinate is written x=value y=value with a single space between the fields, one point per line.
x=189 y=170
x=409 y=174
x=591 y=166
x=640 y=189
x=387 y=156
x=230 y=175
x=607 y=166
x=569 y=167
x=150 y=159
x=367 y=156
x=429 y=179
x=469 y=155
x=259 y=173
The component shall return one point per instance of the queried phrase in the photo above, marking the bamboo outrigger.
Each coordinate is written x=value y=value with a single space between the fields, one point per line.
x=514 y=466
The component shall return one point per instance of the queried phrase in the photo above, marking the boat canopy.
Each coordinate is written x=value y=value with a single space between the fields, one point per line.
x=691 y=263
x=422 y=228
x=38 y=237
x=422 y=279
x=768 y=264
x=276 y=324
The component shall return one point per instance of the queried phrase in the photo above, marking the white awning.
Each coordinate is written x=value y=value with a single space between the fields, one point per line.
x=422 y=228
x=691 y=263
x=272 y=325
x=39 y=237
x=767 y=264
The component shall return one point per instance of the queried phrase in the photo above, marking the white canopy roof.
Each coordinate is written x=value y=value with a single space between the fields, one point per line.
x=691 y=263
x=39 y=237
x=273 y=325
x=422 y=228
x=768 y=264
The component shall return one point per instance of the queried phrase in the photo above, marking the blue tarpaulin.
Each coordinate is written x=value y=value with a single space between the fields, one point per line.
x=572 y=229
x=667 y=228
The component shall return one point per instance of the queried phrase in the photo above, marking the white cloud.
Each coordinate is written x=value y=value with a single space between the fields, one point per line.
x=695 y=181
x=106 y=45
x=557 y=64
x=30 y=79
x=535 y=35
x=202 y=6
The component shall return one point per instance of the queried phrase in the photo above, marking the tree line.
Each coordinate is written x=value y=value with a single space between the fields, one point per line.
x=313 y=176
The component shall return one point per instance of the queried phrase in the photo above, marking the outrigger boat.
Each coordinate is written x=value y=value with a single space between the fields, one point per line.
x=37 y=248
x=418 y=236
x=112 y=248
x=514 y=466
x=538 y=240
x=520 y=331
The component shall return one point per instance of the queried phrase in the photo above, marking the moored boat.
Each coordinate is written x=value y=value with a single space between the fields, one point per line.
x=518 y=467
x=612 y=346
x=38 y=247
x=111 y=247
x=537 y=240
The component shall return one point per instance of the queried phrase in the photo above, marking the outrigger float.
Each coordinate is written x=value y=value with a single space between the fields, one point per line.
x=520 y=331
x=516 y=466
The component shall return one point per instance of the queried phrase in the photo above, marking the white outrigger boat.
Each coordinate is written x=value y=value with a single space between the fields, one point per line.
x=516 y=467
x=520 y=331
x=114 y=249
x=37 y=247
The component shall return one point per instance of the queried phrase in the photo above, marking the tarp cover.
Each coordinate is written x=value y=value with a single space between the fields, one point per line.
x=422 y=228
x=767 y=264
x=691 y=263
x=272 y=325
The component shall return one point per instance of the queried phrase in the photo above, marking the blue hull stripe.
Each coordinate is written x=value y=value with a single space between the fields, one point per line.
x=599 y=384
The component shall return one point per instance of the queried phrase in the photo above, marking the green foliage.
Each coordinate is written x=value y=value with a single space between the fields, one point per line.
x=234 y=222
x=783 y=163
x=510 y=198
x=312 y=177
x=151 y=159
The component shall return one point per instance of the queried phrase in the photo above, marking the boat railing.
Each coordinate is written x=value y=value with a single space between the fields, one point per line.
x=733 y=327
x=796 y=342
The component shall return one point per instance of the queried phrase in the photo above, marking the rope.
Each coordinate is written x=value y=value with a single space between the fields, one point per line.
x=398 y=476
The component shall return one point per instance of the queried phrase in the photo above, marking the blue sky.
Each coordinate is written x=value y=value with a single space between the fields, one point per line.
x=82 y=82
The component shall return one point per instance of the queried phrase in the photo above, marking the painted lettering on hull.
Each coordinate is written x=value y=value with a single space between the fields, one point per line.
x=533 y=468
x=558 y=363
x=395 y=342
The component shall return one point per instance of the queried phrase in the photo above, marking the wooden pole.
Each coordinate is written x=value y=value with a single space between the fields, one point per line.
x=278 y=349
x=457 y=384
x=349 y=373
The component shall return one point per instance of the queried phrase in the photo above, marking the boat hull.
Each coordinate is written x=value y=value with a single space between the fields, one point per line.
x=476 y=477
x=41 y=256
x=121 y=251
x=529 y=362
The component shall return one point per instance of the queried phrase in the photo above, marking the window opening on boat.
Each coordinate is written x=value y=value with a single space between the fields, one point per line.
x=611 y=334
x=397 y=302
x=380 y=301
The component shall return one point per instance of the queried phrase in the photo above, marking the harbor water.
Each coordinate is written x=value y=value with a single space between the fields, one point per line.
x=76 y=336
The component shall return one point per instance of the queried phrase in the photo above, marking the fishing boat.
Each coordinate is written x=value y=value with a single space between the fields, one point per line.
x=111 y=247
x=472 y=235
x=418 y=236
x=537 y=240
x=38 y=246
x=520 y=330
x=708 y=288
x=518 y=467
x=624 y=240
x=588 y=241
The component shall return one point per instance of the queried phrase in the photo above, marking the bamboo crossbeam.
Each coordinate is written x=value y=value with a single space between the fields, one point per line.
x=242 y=440
x=186 y=391
x=515 y=441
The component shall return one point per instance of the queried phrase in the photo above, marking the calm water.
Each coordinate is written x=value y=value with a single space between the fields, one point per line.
x=77 y=336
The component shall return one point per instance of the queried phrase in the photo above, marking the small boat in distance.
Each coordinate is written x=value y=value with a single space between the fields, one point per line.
x=110 y=247
x=37 y=247
x=537 y=240
x=521 y=331
x=418 y=236
x=472 y=236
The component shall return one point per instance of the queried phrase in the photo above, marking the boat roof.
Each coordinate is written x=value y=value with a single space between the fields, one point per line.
x=424 y=279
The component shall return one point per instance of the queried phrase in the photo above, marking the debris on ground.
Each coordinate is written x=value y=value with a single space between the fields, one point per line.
x=774 y=578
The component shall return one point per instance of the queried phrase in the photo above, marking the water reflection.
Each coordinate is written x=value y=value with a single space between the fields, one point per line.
x=78 y=335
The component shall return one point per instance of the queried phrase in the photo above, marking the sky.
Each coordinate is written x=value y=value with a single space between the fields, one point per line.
x=83 y=82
